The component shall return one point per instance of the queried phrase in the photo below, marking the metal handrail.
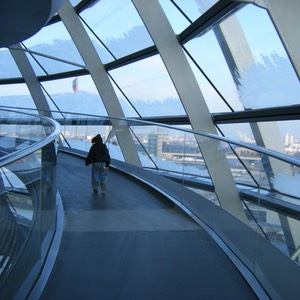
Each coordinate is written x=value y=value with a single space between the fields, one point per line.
x=266 y=151
x=16 y=155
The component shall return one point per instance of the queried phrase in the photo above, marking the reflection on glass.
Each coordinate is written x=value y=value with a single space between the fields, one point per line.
x=149 y=88
x=54 y=40
x=27 y=193
x=127 y=107
x=286 y=133
x=175 y=17
x=208 y=55
x=171 y=151
x=77 y=95
x=16 y=95
x=118 y=26
x=104 y=55
x=195 y=8
x=42 y=65
x=8 y=67
x=267 y=223
x=251 y=68
x=139 y=141
x=181 y=13
x=214 y=101
x=270 y=80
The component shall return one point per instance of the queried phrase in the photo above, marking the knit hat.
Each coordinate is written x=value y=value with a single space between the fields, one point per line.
x=97 y=139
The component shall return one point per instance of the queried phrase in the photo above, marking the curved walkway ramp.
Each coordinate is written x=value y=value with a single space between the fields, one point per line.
x=129 y=242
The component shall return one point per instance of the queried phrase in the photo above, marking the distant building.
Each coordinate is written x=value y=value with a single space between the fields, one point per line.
x=155 y=143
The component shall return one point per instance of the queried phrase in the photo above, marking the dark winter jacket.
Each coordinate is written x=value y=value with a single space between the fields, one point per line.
x=98 y=152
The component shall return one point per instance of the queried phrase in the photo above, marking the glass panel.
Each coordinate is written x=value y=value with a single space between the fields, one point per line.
x=282 y=136
x=83 y=129
x=78 y=95
x=195 y=8
x=43 y=65
x=139 y=137
x=255 y=74
x=16 y=95
x=270 y=80
x=194 y=163
x=118 y=26
x=171 y=150
x=103 y=53
x=8 y=67
x=238 y=131
x=54 y=40
x=207 y=53
x=27 y=199
x=75 y=2
x=114 y=149
x=246 y=166
x=37 y=68
x=149 y=88
x=188 y=11
x=127 y=107
x=272 y=225
x=175 y=17
x=214 y=100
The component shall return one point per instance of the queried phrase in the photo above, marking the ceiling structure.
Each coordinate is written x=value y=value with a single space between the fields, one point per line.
x=221 y=67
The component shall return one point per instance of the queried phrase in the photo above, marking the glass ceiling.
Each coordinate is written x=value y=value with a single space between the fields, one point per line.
x=241 y=72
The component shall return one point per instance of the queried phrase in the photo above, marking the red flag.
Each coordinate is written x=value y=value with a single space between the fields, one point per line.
x=75 y=84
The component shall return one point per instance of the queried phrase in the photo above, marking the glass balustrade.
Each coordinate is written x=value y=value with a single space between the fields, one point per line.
x=212 y=178
x=27 y=197
x=245 y=195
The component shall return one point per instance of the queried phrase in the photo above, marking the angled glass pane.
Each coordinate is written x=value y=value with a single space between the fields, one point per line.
x=193 y=160
x=208 y=55
x=55 y=111
x=16 y=95
x=177 y=20
x=103 y=53
x=211 y=95
x=84 y=128
x=114 y=149
x=37 y=68
x=246 y=62
x=47 y=66
x=149 y=88
x=138 y=136
x=182 y=147
x=76 y=95
x=182 y=13
x=8 y=67
x=152 y=140
x=118 y=26
x=281 y=136
x=238 y=131
x=55 y=41
x=195 y=8
x=270 y=79
x=75 y=2
x=127 y=107
x=246 y=165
